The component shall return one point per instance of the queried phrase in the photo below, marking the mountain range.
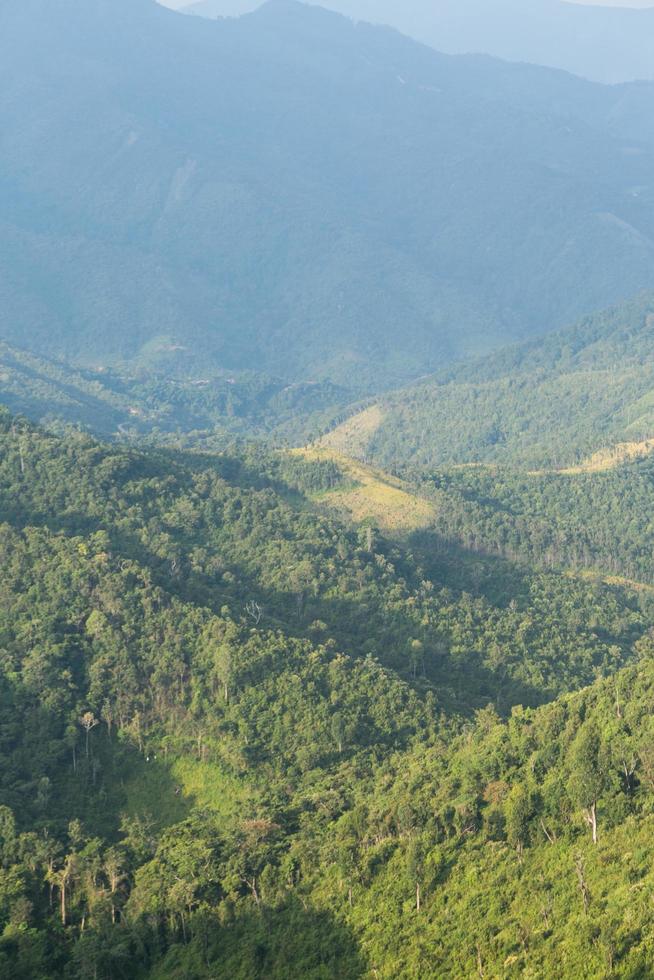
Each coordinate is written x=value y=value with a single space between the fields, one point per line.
x=326 y=494
x=605 y=43
x=293 y=194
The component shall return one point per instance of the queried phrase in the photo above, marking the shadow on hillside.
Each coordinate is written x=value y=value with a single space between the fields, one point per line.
x=475 y=571
x=292 y=942
x=355 y=622
x=380 y=623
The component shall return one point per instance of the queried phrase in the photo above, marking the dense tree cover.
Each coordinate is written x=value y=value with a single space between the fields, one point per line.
x=598 y=521
x=239 y=737
x=303 y=196
x=212 y=698
x=225 y=531
x=479 y=858
x=550 y=403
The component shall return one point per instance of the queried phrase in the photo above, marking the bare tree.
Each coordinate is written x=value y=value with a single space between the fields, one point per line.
x=254 y=611
x=88 y=721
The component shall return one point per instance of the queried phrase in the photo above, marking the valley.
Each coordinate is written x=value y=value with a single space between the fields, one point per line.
x=244 y=656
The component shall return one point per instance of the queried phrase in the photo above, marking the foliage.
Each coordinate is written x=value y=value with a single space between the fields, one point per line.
x=213 y=696
x=588 y=523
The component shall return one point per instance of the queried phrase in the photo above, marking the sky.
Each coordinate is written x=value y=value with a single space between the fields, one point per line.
x=177 y=4
x=615 y=3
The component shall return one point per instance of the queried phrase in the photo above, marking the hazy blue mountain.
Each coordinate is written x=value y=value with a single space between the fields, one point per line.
x=608 y=44
x=293 y=194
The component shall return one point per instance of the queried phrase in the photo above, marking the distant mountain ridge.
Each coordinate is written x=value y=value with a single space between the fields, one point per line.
x=604 y=43
x=294 y=195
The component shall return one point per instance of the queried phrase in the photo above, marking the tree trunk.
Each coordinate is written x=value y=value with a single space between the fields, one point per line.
x=549 y=836
x=418 y=897
x=583 y=888
x=63 y=903
x=590 y=816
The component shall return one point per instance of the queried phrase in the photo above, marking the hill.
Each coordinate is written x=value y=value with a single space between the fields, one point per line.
x=332 y=201
x=480 y=854
x=589 y=521
x=202 y=678
x=581 y=397
x=607 y=44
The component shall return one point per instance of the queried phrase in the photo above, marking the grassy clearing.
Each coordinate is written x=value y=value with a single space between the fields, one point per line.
x=352 y=437
x=608 y=459
x=167 y=791
x=210 y=787
x=616 y=580
x=371 y=494
x=151 y=791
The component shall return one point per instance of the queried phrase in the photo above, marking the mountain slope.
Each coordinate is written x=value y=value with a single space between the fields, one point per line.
x=605 y=44
x=552 y=403
x=480 y=857
x=301 y=196
x=202 y=679
x=368 y=496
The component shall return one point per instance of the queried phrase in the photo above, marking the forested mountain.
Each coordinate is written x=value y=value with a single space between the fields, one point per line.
x=293 y=194
x=224 y=715
x=274 y=713
x=594 y=521
x=551 y=403
x=608 y=44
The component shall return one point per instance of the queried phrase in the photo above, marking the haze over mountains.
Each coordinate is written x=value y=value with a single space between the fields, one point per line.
x=294 y=194
x=604 y=43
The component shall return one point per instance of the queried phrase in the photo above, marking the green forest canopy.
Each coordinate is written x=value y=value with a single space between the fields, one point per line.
x=241 y=739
